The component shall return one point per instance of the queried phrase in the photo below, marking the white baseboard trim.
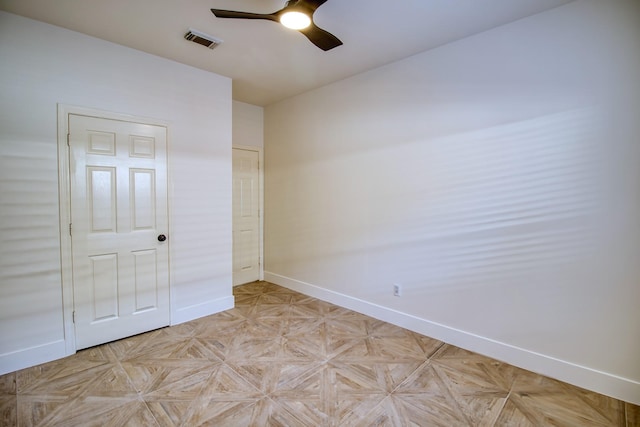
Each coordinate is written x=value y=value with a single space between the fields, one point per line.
x=25 y=358
x=196 y=311
x=581 y=376
x=28 y=357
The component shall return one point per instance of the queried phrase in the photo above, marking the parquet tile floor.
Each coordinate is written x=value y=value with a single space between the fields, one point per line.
x=281 y=358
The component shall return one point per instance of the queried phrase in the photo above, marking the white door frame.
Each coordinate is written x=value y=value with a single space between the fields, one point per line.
x=64 y=197
x=260 y=152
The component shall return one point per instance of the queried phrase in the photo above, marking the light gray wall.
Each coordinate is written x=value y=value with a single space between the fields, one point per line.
x=43 y=65
x=248 y=124
x=496 y=179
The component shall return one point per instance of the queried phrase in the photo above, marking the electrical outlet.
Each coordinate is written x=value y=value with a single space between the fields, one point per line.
x=396 y=290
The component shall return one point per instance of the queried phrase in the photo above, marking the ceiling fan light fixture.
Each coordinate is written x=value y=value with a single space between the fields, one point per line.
x=295 y=20
x=300 y=12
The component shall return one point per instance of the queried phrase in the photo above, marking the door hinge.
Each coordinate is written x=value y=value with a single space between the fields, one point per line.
x=73 y=316
x=68 y=138
x=70 y=229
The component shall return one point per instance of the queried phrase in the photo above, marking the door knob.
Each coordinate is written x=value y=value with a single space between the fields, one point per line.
x=162 y=238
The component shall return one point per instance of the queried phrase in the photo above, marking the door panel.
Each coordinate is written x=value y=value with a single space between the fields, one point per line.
x=101 y=195
x=118 y=208
x=104 y=281
x=246 y=216
x=143 y=207
x=146 y=280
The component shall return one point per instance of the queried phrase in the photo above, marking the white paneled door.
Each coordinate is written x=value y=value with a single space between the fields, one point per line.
x=119 y=228
x=246 y=216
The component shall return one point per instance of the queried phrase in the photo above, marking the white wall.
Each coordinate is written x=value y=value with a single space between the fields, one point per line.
x=495 y=178
x=248 y=124
x=43 y=65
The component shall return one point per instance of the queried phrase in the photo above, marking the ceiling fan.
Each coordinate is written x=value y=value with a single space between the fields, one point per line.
x=296 y=14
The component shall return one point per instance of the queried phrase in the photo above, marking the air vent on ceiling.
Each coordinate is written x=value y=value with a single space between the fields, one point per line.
x=202 y=38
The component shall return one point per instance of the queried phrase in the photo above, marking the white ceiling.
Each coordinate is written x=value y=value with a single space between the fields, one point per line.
x=266 y=61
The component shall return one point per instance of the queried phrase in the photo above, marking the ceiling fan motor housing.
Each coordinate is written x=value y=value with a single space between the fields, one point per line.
x=298 y=6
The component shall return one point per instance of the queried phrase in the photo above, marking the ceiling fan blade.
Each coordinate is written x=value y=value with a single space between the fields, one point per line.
x=321 y=38
x=243 y=15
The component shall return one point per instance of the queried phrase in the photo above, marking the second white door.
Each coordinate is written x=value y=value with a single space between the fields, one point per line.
x=246 y=216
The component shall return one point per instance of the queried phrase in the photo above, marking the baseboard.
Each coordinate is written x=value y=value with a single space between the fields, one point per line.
x=28 y=357
x=581 y=376
x=25 y=358
x=206 y=308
